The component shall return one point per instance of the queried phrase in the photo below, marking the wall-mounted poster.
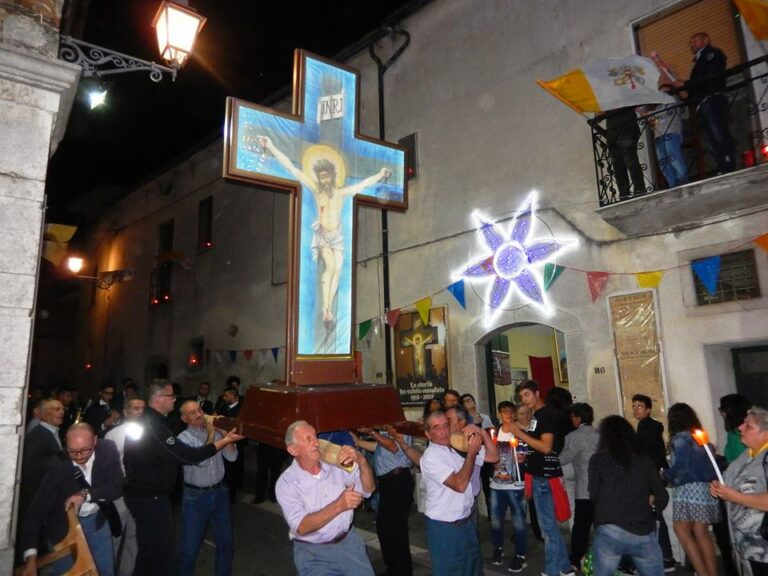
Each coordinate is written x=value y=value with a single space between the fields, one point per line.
x=501 y=374
x=421 y=356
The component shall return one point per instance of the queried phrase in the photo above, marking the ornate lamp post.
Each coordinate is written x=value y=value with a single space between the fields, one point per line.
x=177 y=27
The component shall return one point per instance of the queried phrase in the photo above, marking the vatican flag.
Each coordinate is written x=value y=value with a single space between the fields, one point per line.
x=609 y=83
x=755 y=14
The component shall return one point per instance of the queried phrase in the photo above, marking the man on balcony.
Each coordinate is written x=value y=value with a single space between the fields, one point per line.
x=706 y=90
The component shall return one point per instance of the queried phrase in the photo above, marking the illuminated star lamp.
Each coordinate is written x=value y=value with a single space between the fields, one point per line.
x=512 y=259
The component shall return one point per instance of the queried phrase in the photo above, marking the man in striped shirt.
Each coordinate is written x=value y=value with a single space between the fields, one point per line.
x=206 y=496
x=393 y=458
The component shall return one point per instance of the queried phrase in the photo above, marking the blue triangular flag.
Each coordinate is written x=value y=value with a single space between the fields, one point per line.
x=233 y=356
x=274 y=354
x=708 y=271
x=457 y=289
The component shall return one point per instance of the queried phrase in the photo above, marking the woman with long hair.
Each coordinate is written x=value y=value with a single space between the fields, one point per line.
x=626 y=493
x=689 y=473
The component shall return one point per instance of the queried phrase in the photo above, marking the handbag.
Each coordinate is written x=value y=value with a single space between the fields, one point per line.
x=560 y=499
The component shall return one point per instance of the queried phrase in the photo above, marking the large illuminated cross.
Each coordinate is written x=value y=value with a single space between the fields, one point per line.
x=317 y=156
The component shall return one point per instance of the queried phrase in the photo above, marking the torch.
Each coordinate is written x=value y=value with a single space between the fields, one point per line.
x=702 y=439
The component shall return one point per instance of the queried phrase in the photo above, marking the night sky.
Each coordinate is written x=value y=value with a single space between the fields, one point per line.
x=245 y=50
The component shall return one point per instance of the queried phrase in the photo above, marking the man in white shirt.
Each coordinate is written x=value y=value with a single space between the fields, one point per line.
x=451 y=534
x=125 y=546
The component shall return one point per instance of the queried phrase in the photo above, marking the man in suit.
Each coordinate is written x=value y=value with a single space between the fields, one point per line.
x=40 y=444
x=100 y=415
x=232 y=382
x=202 y=398
x=234 y=471
x=89 y=478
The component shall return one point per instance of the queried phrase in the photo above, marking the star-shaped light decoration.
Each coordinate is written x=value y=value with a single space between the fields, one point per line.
x=512 y=260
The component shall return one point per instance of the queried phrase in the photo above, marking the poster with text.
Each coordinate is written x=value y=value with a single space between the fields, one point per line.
x=421 y=356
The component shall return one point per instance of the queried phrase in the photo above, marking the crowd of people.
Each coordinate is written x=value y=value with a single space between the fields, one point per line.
x=120 y=460
x=623 y=480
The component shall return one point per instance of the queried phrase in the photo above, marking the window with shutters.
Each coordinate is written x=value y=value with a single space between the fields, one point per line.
x=737 y=280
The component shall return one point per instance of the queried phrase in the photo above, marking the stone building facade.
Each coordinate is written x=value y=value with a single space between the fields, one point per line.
x=487 y=136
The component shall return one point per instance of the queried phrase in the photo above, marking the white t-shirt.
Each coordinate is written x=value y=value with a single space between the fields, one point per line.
x=444 y=503
x=504 y=471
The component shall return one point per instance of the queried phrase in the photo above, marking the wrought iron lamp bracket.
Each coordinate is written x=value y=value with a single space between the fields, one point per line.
x=98 y=61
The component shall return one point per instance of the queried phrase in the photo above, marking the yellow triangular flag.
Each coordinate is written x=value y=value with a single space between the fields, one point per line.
x=423 y=307
x=649 y=279
x=762 y=241
x=755 y=14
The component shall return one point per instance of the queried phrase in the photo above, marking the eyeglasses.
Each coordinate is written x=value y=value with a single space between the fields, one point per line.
x=80 y=452
x=168 y=395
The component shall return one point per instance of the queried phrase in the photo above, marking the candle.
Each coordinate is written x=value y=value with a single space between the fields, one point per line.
x=702 y=439
x=513 y=442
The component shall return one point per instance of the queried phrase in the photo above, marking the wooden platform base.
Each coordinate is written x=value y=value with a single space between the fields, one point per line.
x=268 y=410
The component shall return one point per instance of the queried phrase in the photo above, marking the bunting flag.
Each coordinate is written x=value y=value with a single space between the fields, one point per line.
x=262 y=359
x=551 y=273
x=393 y=316
x=219 y=357
x=274 y=353
x=423 y=307
x=762 y=241
x=649 y=279
x=233 y=356
x=248 y=354
x=609 y=83
x=363 y=328
x=755 y=15
x=708 y=271
x=457 y=289
x=596 y=282
x=56 y=241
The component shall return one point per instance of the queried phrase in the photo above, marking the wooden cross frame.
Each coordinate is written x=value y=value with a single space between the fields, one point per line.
x=318 y=156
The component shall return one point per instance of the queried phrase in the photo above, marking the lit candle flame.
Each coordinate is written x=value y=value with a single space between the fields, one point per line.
x=701 y=437
x=513 y=442
x=493 y=435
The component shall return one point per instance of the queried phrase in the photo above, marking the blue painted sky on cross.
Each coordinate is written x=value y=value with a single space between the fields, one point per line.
x=359 y=159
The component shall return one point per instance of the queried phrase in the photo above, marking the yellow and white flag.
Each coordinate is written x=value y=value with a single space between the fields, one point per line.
x=609 y=83
x=755 y=14
x=55 y=242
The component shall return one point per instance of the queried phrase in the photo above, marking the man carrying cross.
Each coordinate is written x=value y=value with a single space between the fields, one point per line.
x=328 y=233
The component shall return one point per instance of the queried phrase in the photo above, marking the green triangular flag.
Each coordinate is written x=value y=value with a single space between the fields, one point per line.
x=551 y=273
x=363 y=329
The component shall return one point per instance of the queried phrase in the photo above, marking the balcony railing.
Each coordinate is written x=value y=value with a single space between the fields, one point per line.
x=639 y=151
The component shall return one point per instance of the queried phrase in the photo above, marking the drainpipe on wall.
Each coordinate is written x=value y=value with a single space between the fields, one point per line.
x=381 y=69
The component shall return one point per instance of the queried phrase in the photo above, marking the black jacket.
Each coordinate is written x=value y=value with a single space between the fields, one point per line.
x=650 y=441
x=707 y=75
x=152 y=460
x=46 y=515
x=96 y=416
x=39 y=445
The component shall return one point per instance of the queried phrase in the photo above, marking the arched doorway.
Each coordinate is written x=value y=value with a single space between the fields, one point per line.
x=521 y=351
